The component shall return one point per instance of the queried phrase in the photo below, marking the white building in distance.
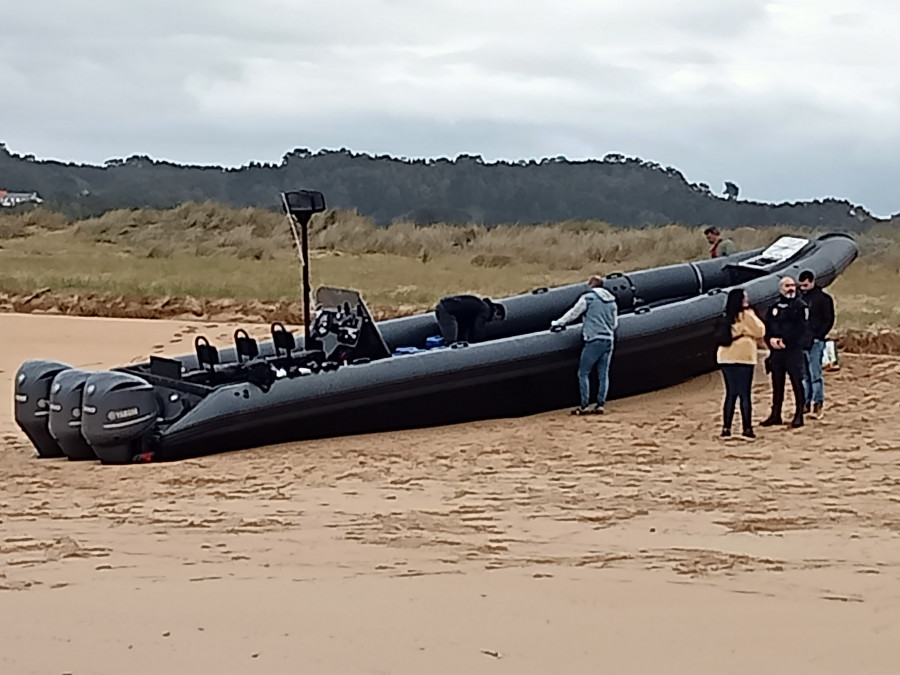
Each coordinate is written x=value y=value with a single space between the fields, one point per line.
x=8 y=198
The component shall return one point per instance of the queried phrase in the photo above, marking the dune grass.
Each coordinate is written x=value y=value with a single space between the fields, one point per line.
x=207 y=250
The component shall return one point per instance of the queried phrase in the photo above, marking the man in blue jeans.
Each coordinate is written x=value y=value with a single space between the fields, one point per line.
x=821 y=321
x=601 y=318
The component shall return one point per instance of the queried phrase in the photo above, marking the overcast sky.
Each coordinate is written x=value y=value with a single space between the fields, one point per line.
x=791 y=100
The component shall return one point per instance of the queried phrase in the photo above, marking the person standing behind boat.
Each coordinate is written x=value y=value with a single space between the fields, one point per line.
x=719 y=247
x=737 y=356
x=787 y=336
x=462 y=318
x=601 y=318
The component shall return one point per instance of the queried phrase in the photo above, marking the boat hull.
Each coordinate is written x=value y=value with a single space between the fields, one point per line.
x=523 y=375
x=665 y=337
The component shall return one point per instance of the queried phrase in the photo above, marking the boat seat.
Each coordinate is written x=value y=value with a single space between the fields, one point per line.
x=207 y=354
x=282 y=340
x=245 y=346
x=286 y=353
x=208 y=360
x=211 y=372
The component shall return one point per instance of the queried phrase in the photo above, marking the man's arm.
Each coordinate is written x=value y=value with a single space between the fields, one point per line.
x=577 y=310
x=772 y=330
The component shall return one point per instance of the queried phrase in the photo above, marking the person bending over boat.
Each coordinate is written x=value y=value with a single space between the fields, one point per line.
x=737 y=355
x=787 y=336
x=601 y=318
x=462 y=318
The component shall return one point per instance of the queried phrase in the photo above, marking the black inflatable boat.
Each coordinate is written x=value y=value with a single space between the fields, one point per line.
x=356 y=375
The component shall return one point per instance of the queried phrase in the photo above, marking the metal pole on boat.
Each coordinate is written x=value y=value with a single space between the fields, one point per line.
x=304 y=225
x=299 y=207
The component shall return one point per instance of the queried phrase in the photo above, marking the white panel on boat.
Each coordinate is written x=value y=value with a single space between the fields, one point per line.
x=782 y=250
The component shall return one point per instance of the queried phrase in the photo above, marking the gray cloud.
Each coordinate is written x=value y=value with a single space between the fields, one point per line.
x=716 y=20
x=794 y=99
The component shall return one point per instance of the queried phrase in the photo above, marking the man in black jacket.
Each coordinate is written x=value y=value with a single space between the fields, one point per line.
x=787 y=336
x=821 y=321
x=462 y=318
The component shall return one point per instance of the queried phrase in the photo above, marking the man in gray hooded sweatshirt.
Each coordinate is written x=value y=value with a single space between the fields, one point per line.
x=601 y=318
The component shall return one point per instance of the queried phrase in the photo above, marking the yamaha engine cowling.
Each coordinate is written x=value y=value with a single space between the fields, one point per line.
x=32 y=407
x=65 y=413
x=118 y=412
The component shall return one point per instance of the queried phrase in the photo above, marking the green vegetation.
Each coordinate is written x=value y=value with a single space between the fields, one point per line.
x=210 y=251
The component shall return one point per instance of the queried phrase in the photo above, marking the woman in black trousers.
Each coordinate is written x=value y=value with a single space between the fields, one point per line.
x=737 y=356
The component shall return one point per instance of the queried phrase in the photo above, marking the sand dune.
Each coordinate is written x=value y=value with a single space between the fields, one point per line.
x=630 y=543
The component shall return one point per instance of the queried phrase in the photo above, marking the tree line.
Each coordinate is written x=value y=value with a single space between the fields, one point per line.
x=623 y=191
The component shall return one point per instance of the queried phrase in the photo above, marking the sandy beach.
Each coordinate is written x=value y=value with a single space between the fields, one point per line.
x=635 y=542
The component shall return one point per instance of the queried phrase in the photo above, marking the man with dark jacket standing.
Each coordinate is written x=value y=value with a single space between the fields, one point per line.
x=463 y=317
x=821 y=321
x=787 y=337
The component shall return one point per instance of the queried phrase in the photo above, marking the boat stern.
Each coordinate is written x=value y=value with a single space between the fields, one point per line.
x=118 y=413
x=32 y=385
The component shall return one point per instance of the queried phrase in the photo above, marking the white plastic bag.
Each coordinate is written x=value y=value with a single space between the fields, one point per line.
x=830 y=356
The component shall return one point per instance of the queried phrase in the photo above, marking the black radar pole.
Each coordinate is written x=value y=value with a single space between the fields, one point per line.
x=300 y=205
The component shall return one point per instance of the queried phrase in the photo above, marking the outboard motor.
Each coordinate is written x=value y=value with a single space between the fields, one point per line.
x=65 y=413
x=118 y=411
x=32 y=407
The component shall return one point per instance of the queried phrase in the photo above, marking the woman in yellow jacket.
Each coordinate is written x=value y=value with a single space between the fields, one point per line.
x=738 y=360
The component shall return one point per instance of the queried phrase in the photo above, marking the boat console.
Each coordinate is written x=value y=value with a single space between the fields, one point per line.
x=343 y=328
x=776 y=255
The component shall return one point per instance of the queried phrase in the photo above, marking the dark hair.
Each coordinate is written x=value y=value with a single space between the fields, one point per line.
x=806 y=275
x=711 y=230
x=734 y=305
x=498 y=311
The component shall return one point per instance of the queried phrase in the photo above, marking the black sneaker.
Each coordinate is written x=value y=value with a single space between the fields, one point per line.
x=726 y=432
x=771 y=421
x=797 y=422
x=748 y=433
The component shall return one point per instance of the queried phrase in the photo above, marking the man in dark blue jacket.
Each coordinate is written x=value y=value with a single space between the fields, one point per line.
x=821 y=321
x=787 y=335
